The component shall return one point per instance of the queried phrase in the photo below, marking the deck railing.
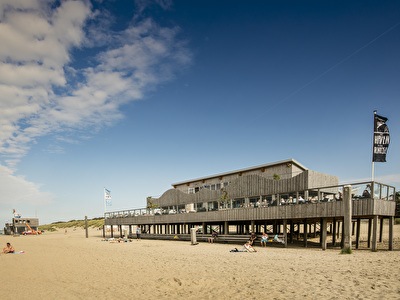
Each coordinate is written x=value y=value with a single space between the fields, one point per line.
x=360 y=191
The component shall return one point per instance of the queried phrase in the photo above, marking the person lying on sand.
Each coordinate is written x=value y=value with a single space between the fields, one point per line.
x=246 y=248
x=249 y=247
x=8 y=248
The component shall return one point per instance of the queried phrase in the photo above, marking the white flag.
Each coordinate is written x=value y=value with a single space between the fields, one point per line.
x=107 y=197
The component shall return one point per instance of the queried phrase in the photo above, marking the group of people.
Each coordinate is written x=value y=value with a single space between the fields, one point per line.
x=249 y=245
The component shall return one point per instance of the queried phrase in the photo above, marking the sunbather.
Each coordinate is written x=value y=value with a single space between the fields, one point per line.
x=8 y=248
x=248 y=247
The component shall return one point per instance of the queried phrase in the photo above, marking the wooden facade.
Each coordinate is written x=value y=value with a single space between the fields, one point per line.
x=257 y=200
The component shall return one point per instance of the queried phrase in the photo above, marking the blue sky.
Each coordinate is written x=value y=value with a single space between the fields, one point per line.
x=136 y=95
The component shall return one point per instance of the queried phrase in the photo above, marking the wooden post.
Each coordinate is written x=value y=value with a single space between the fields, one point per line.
x=305 y=233
x=104 y=231
x=324 y=229
x=285 y=232
x=380 y=229
x=358 y=233
x=347 y=205
x=315 y=229
x=369 y=233
x=391 y=222
x=226 y=227
x=86 y=227
x=375 y=234
x=298 y=231
x=291 y=231
x=334 y=232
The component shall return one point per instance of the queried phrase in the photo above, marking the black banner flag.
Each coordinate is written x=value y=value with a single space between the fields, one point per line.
x=381 y=139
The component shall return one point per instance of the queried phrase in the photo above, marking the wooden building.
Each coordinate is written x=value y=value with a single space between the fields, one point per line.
x=284 y=198
x=20 y=225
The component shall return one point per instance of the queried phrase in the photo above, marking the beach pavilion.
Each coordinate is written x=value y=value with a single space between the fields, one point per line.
x=285 y=199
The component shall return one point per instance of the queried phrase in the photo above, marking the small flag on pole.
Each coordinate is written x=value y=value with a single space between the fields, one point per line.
x=107 y=197
x=381 y=139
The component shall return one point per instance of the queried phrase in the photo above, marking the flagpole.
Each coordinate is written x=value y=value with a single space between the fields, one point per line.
x=373 y=142
x=104 y=200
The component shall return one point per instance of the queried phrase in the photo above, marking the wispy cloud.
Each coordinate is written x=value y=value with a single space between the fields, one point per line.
x=16 y=190
x=45 y=89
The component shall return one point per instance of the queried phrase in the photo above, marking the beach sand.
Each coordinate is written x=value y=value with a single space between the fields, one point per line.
x=56 y=265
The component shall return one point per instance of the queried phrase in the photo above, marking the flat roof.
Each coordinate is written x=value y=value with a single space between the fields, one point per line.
x=290 y=160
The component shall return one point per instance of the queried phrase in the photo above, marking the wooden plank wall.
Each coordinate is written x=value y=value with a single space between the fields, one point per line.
x=248 y=186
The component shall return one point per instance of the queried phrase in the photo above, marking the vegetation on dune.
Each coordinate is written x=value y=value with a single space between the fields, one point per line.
x=93 y=223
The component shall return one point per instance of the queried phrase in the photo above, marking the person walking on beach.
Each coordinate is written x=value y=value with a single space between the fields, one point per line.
x=138 y=232
x=8 y=248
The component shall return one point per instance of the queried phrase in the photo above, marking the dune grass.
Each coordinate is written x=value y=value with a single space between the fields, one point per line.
x=94 y=223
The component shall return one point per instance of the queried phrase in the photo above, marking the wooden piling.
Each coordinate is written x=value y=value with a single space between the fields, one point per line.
x=347 y=218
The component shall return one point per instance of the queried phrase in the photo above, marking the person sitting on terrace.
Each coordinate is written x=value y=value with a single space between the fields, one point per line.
x=301 y=200
x=366 y=194
x=338 y=196
x=283 y=202
x=264 y=239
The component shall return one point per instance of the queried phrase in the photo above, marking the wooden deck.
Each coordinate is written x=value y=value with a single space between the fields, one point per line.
x=364 y=209
x=293 y=222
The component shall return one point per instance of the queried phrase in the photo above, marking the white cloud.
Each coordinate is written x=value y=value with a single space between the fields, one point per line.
x=45 y=90
x=39 y=88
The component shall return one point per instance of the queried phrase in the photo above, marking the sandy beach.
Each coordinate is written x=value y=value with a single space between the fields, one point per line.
x=56 y=265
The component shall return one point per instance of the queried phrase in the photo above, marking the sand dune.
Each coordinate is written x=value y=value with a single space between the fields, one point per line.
x=70 y=266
